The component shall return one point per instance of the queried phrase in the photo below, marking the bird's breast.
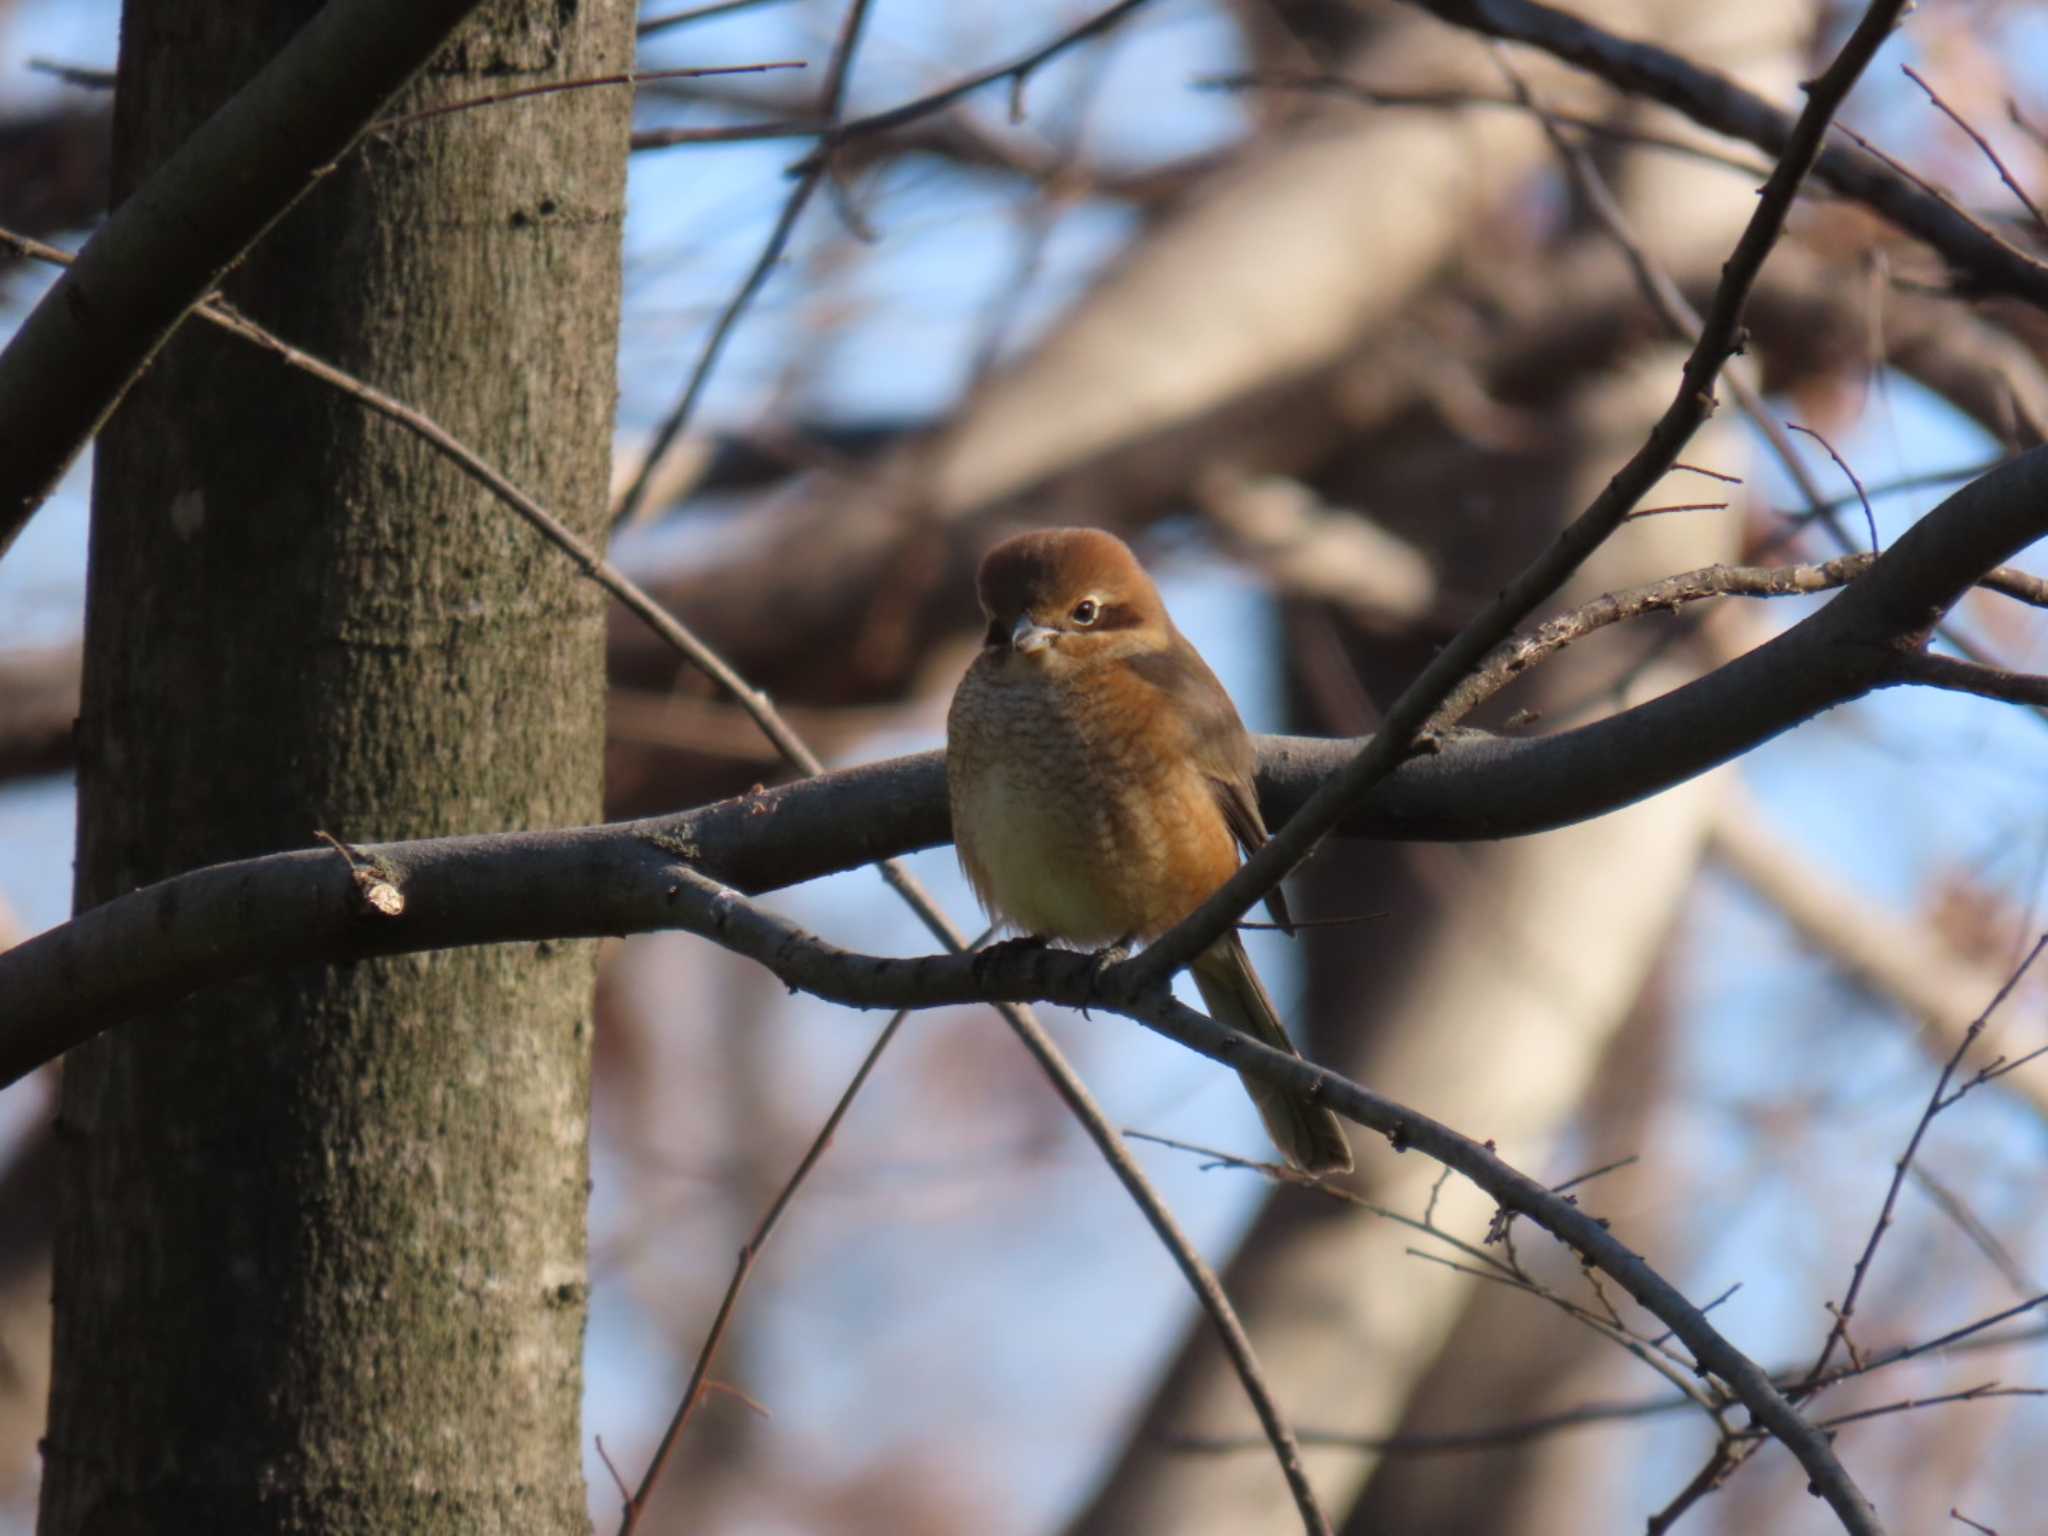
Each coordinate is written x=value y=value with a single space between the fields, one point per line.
x=1074 y=816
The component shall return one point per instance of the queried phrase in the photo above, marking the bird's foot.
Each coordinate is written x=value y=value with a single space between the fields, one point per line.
x=1105 y=960
x=1115 y=954
x=1007 y=950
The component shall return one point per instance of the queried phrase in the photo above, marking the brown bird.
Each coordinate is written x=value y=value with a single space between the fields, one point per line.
x=1101 y=782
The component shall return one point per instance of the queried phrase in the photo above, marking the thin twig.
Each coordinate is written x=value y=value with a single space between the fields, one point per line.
x=1446 y=1442
x=1597 y=1173
x=1706 y=1310
x=1455 y=100
x=654 y=24
x=1518 y=654
x=1681 y=1373
x=1017 y=72
x=1899 y=168
x=1933 y=670
x=1838 y=1333
x=750 y=1252
x=1677 y=506
x=1899 y=486
x=1980 y=261
x=1949 y=1340
x=1726 y=1457
x=1663 y=294
x=629 y=504
x=1975 y=1394
x=2019 y=119
x=1982 y=143
x=830 y=99
x=1869 y=517
x=631 y=77
x=831 y=133
x=83 y=76
x=1585 y=1415
x=619 y=1482
x=725 y=133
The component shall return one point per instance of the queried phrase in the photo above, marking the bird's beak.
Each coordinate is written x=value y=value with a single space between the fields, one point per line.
x=1028 y=638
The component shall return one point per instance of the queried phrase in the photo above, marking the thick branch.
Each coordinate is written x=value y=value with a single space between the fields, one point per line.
x=156 y=945
x=168 y=245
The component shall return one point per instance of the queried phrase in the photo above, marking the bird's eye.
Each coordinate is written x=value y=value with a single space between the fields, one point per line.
x=1085 y=612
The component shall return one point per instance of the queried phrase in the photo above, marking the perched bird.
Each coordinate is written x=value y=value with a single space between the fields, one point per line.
x=1101 y=782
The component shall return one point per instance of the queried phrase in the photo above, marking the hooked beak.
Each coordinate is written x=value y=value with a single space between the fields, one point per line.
x=1028 y=638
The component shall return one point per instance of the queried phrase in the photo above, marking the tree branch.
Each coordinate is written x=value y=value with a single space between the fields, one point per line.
x=1719 y=338
x=171 y=242
x=803 y=961
x=1517 y=655
x=1953 y=672
x=1979 y=262
x=146 y=949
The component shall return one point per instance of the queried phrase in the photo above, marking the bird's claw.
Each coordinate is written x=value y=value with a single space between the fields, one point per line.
x=1104 y=961
x=1007 y=950
x=1113 y=954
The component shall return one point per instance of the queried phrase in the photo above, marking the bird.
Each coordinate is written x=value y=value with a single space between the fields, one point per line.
x=1100 y=782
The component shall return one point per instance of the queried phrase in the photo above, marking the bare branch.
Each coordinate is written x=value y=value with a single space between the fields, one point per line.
x=1960 y=676
x=148 y=948
x=810 y=173
x=1982 y=144
x=1719 y=336
x=1520 y=653
x=1454 y=100
x=750 y=1252
x=168 y=245
x=1979 y=261
x=1201 y=1278
x=803 y=961
x=830 y=97
x=1892 y=955
x=1937 y=1101
x=654 y=24
x=631 y=77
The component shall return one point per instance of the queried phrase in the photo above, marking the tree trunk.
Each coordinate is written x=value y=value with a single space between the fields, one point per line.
x=320 y=1262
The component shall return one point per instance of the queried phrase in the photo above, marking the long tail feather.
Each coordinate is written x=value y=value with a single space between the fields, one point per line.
x=1311 y=1137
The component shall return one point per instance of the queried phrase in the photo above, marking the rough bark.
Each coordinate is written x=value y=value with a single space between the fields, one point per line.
x=320 y=1259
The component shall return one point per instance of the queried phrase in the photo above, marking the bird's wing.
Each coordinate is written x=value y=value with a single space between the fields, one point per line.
x=1241 y=811
x=1217 y=744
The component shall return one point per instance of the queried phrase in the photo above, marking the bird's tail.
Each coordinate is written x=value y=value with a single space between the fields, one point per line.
x=1311 y=1137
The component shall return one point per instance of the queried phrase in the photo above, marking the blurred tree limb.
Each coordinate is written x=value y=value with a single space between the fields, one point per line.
x=142 y=950
x=170 y=242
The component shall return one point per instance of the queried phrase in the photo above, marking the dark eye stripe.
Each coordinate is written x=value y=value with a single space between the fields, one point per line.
x=1117 y=616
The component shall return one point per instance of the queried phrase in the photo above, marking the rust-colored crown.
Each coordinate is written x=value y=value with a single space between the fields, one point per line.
x=1049 y=570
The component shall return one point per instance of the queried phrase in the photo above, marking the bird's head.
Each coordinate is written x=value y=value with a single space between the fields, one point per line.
x=1063 y=599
